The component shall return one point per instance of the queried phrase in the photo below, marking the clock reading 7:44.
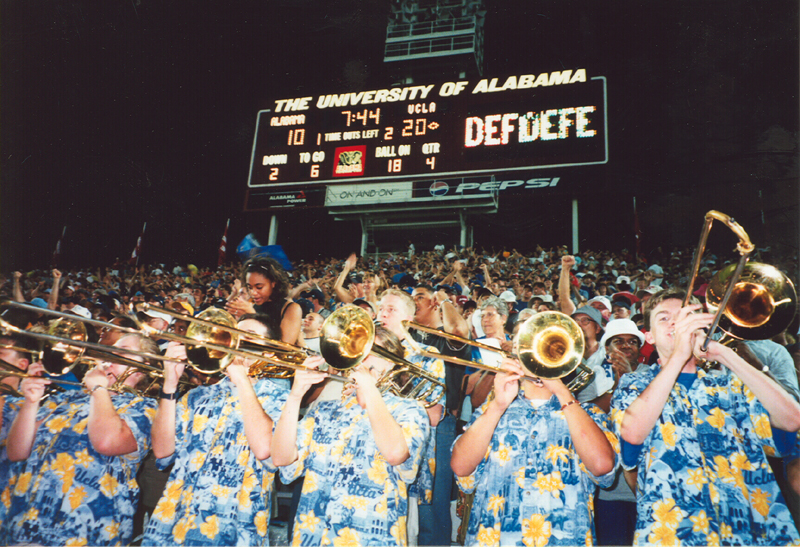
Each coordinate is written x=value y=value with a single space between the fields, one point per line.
x=363 y=117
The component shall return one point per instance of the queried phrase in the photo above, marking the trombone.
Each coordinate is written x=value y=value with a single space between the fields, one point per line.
x=550 y=346
x=7 y=369
x=347 y=338
x=750 y=300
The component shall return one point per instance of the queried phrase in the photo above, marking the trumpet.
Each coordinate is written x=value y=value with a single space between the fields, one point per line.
x=550 y=346
x=347 y=338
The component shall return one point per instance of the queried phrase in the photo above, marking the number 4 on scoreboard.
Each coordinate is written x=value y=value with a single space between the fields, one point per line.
x=431 y=161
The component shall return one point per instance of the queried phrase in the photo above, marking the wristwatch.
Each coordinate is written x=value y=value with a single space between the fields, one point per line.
x=167 y=396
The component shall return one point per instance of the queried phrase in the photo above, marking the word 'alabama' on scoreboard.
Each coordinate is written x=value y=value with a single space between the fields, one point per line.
x=429 y=131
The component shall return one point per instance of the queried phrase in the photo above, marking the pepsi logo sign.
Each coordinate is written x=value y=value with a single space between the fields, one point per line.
x=439 y=188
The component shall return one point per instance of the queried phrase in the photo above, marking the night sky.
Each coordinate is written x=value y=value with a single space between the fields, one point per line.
x=122 y=112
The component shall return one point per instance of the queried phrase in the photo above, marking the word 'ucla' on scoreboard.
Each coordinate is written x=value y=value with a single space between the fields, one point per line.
x=429 y=131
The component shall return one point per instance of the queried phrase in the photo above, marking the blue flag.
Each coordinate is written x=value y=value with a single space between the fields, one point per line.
x=250 y=247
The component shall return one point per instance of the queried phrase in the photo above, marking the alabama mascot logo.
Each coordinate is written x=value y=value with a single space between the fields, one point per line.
x=349 y=161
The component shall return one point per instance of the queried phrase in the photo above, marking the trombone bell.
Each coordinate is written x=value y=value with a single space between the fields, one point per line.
x=346 y=337
x=551 y=346
x=763 y=301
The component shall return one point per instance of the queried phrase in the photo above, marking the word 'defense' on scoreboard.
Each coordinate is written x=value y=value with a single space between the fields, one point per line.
x=430 y=131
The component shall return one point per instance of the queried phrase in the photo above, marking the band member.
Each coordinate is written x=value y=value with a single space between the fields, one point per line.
x=358 y=455
x=396 y=306
x=218 y=437
x=435 y=310
x=533 y=457
x=13 y=354
x=699 y=439
x=78 y=455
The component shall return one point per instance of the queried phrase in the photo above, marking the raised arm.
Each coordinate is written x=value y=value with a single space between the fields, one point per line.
x=108 y=433
x=257 y=424
x=18 y=295
x=589 y=441
x=470 y=448
x=643 y=413
x=452 y=321
x=783 y=409
x=23 y=429
x=341 y=293
x=52 y=301
x=387 y=432
x=284 y=440
x=163 y=429
x=565 y=285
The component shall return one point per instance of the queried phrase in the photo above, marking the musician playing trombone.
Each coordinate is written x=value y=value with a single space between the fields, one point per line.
x=12 y=352
x=533 y=457
x=699 y=439
x=218 y=438
x=358 y=454
x=77 y=455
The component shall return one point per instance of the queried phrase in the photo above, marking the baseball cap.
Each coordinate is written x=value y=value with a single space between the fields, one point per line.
x=508 y=296
x=603 y=300
x=593 y=313
x=360 y=301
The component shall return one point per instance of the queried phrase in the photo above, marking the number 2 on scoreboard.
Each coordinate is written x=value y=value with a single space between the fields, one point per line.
x=273 y=173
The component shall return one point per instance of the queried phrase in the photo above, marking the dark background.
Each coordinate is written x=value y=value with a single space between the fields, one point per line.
x=122 y=112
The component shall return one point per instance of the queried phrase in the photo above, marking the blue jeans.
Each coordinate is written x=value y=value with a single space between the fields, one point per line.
x=435 y=527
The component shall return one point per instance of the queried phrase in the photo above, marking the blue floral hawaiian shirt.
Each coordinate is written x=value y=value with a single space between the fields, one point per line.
x=351 y=495
x=422 y=488
x=11 y=406
x=531 y=488
x=65 y=492
x=218 y=493
x=703 y=475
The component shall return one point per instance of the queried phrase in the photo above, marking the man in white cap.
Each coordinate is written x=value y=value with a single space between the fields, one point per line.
x=603 y=305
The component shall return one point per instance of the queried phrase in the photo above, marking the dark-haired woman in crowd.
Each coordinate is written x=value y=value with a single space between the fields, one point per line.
x=268 y=286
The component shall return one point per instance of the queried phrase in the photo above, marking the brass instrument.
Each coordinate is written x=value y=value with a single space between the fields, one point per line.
x=347 y=338
x=750 y=300
x=213 y=340
x=745 y=248
x=55 y=385
x=550 y=346
x=7 y=369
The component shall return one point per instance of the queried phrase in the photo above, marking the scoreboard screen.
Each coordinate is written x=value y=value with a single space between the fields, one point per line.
x=430 y=131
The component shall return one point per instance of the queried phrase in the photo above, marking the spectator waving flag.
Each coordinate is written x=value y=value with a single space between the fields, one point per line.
x=223 y=245
x=138 y=249
x=250 y=247
x=57 y=252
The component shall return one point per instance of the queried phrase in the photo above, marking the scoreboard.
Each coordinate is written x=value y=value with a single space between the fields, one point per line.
x=431 y=131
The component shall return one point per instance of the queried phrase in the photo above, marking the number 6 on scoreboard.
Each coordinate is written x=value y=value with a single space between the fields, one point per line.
x=314 y=171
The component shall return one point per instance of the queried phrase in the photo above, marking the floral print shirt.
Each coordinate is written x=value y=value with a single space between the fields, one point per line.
x=65 y=492
x=351 y=495
x=703 y=475
x=218 y=493
x=531 y=488
x=422 y=488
